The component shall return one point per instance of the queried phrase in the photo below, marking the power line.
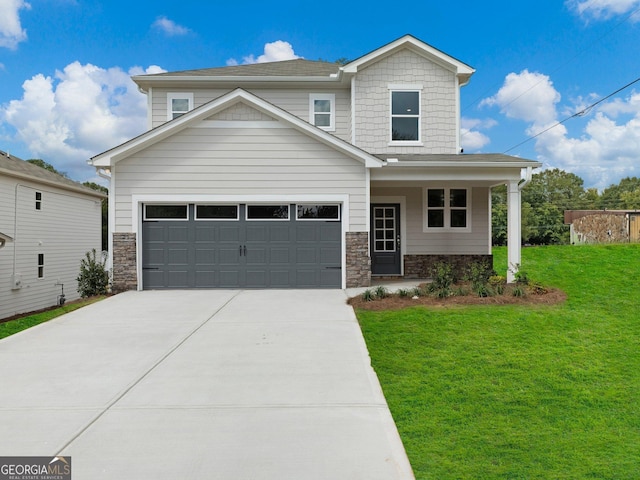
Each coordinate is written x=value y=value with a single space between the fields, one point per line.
x=581 y=113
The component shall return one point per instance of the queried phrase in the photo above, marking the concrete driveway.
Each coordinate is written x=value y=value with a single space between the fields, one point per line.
x=262 y=384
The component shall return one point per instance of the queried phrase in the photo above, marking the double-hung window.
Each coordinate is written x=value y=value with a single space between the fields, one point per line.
x=405 y=114
x=448 y=208
x=178 y=104
x=322 y=110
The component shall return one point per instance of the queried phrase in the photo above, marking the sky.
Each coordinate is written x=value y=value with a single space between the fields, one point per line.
x=549 y=84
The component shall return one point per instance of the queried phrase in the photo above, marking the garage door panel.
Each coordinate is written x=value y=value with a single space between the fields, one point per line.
x=239 y=253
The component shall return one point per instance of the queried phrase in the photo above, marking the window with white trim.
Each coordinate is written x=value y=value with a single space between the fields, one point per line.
x=405 y=115
x=178 y=103
x=38 y=200
x=448 y=208
x=322 y=110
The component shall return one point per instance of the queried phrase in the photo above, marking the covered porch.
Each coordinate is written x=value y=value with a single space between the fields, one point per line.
x=428 y=208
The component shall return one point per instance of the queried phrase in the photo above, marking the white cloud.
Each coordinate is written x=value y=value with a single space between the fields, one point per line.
x=79 y=112
x=273 y=52
x=608 y=147
x=169 y=27
x=471 y=138
x=11 y=31
x=603 y=9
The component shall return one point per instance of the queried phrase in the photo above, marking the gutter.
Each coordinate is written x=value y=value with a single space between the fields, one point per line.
x=527 y=178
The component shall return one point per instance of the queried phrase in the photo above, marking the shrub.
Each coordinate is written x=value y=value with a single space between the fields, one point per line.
x=381 y=292
x=93 y=278
x=537 y=288
x=497 y=283
x=443 y=279
x=478 y=275
x=368 y=295
x=403 y=292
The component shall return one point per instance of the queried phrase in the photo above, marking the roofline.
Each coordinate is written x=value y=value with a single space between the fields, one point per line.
x=463 y=164
x=447 y=61
x=52 y=183
x=148 y=138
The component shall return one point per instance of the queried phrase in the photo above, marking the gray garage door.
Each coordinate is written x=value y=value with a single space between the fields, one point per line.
x=241 y=246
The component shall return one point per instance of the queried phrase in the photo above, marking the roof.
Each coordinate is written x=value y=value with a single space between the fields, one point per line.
x=459 y=160
x=287 y=68
x=15 y=167
x=301 y=70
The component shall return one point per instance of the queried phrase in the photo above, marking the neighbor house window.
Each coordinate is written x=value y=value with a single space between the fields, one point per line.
x=405 y=114
x=448 y=208
x=178 y=104
x=41 y=265
x=322 y=110
x=38 y=200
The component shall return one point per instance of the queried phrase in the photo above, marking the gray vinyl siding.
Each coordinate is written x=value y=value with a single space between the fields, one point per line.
x=239 y=161
x=67 y=226
x=476 y=242
x=438 y=104
x=293 y=101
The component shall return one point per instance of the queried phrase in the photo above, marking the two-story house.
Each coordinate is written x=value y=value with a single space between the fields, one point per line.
x=304 y=174
x=47 y=225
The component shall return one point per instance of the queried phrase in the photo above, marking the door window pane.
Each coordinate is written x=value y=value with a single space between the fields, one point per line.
x=268 y=212
x=217 y=212
x=165 y=212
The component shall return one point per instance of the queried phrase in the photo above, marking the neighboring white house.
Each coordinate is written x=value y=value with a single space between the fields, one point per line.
x=47 y=224
x=305 y=174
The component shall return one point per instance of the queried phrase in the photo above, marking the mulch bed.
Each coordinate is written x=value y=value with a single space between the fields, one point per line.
x=551 y=296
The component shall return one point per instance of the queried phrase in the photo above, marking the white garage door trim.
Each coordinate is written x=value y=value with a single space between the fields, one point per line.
x=137 y=202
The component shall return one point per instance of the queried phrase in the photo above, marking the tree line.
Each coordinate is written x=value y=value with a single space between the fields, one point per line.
x=548 y=195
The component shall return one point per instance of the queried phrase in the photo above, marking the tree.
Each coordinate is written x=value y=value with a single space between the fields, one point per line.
x=612 y=196
x=105 y=212
x=47 y=166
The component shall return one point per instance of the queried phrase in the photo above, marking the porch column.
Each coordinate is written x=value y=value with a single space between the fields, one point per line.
x=514 y=230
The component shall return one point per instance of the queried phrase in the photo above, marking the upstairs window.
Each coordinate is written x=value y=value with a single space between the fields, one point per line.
x=322 y=110
x=448 y=208
x=38 y=200
x=178 y=104
x=405 y=115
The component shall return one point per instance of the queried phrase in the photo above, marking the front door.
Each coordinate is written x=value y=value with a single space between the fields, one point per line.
x=385 y=239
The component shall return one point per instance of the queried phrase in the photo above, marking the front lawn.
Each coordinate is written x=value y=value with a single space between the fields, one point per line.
x=521 y=392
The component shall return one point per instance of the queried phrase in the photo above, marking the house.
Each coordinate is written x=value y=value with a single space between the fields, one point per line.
x=305 y=174
x=47 y=224
x=603 y=226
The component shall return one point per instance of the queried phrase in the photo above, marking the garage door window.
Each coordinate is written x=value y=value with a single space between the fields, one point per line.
x=267 y=212
x=318 y=212
x=166 y=212
x=217 y=212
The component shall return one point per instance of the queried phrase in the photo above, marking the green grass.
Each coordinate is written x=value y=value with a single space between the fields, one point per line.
x=521 y=392
x=14 y=326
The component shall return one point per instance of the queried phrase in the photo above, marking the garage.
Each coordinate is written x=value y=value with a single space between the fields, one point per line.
x=241 y=246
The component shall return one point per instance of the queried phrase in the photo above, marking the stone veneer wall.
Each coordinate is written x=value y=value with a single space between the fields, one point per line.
x=600 y=228
x=358 y=261
x=421 y=266
x=125 y=275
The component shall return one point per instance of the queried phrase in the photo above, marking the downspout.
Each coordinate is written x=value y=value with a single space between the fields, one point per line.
x=527 y=178
x=106 y=174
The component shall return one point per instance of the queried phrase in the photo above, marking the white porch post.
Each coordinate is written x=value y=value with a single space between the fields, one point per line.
x=514 y=230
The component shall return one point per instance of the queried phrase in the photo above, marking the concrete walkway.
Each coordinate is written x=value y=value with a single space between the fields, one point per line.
x=215 y=384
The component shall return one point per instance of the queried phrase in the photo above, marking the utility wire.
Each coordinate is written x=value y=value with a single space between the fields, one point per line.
x=581 y=113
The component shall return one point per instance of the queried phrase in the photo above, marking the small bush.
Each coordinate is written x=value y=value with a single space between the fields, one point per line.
x=368 y=295
x=381 y=292
x=443 y=279
x=93 y=278
x=522 y=278
x=403 y=292
x=538 y=289
x=478 y=275
x=497 y=283
x=519 y=291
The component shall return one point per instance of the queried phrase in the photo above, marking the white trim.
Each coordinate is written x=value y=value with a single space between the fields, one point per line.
x=263 y=124
x=331 y=97
x=138 y=200
x=178 y=96
x=353 y=110
x=150 y=108
x=447 y=209
x=403 y=223
x=405 y=86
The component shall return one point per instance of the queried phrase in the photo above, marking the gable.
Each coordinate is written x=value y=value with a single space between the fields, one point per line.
x=241 y=112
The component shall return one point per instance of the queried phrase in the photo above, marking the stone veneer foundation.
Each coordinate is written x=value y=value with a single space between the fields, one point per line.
x=358 y=260
x=125 y=275
x=421 y=266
